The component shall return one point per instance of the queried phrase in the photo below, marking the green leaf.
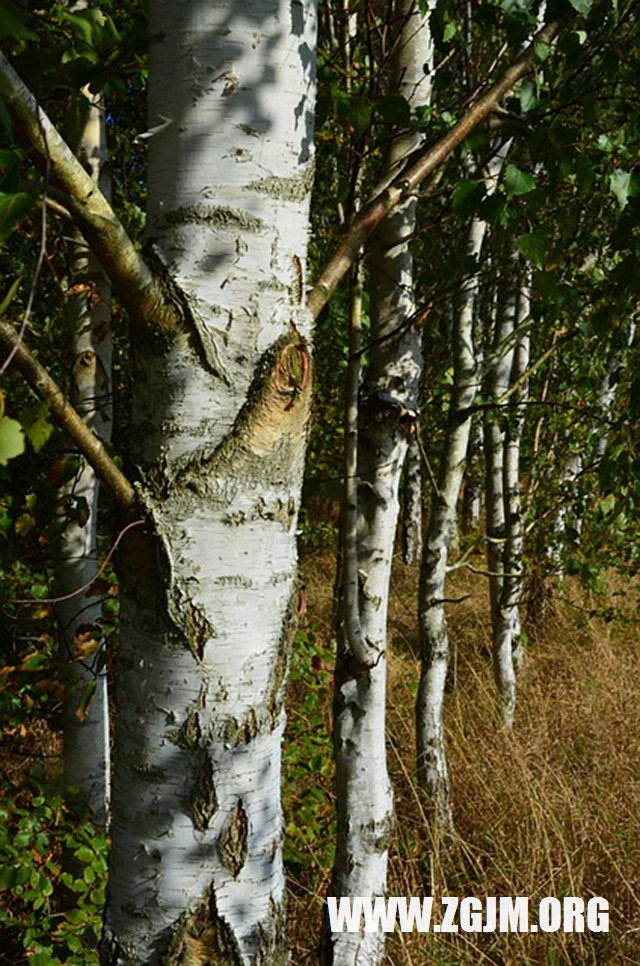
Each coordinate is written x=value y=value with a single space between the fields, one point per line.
x=620 y=184
x=534 y=246
x=36 y=425
x=12 y=22
x=608 y=504
x=582 y=6
x=541 y=50
x=11 y=440
x=518 y=182
x=528 y=97
x=356 y=111
x=4 y=305
x=12 y=208
x=467 y=195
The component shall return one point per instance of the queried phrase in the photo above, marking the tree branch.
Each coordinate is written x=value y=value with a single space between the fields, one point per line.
x=88 y=444
x=136 y=286
x=424 y=161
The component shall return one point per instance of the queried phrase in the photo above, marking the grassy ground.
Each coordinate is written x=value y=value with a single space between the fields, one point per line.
x=552 y=809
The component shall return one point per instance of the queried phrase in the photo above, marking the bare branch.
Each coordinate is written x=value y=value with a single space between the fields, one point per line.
x=136 y=286
x=88 y=444
x=424 y=161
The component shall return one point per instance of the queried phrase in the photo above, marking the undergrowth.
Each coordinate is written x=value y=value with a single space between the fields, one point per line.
x=552 y=809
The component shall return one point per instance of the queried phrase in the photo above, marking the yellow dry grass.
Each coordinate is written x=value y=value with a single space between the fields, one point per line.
x=551 y=809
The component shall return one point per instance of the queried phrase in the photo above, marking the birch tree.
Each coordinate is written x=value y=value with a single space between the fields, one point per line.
x=434 y=642
x=387 y=408
x=222 y=382
x=220 y=409
x=86 y=711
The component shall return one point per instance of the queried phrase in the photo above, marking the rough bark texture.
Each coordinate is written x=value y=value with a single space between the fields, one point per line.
x=86 y=738
x=220 y=414
x=412 y=510
x=388 y=408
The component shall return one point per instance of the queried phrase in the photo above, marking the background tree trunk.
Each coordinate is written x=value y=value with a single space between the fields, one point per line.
x=502 y=350
x=388 y=408
x=86 y=735
x=434 y=641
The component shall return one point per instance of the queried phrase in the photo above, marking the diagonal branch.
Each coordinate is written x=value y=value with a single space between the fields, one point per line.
x=136 y=286
x=88 y=444
x=416 y=170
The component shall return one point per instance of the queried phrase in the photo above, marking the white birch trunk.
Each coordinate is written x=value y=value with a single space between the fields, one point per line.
x=507 y=629
x=220 y=413
x=412 y=509
x=86 y=738
x=434 y=642
x=470 y=515
x=387 y=414
x=494 y=437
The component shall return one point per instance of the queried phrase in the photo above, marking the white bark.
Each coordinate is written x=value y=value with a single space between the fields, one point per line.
x=220 y=413
x=86 y=739
x=494 y=437
x=507 y=627
x=434 y=642
x=471 y=493
x=387 y=413
x=412 y=509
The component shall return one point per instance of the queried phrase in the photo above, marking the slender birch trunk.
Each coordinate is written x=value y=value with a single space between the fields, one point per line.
x=507 y=628
x=412 y=508
x=497 y=384
x=220 y=411
x=470 y=513
x=86 y=737
x=388 y=406
x=434 y=641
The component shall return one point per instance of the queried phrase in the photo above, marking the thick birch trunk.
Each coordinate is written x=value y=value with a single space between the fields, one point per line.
x=494 y=440
x=387 y=414
x=86 y=738
x=220 y=413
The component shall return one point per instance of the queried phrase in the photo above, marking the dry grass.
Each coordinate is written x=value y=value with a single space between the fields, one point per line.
x=551 y=809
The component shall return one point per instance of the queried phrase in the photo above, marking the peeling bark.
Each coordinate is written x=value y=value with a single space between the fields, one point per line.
x=220 y=412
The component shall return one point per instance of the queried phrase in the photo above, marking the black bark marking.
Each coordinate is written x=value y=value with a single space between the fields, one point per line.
x=203 y=801
x=203 y=938
x=198 y=631
x=233 y=841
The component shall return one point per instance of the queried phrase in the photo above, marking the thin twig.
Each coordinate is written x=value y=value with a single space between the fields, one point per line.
x=80 y=590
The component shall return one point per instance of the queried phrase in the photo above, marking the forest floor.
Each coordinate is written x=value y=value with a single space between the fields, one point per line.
x=551 y=809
